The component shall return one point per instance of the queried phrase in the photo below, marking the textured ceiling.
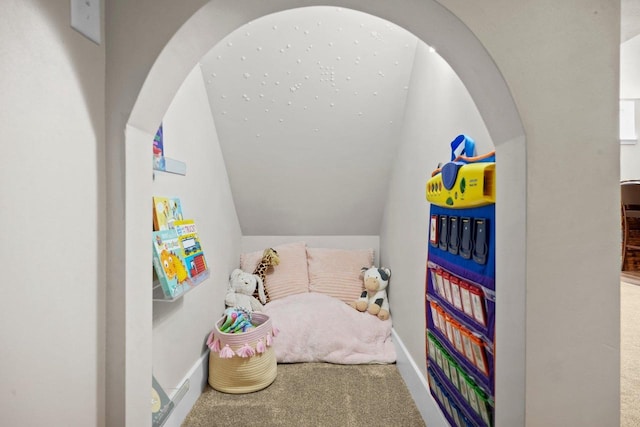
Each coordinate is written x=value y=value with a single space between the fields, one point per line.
x=308 y=106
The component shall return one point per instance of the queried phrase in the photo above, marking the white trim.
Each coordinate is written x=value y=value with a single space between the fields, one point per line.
x=197 y=377
x=417 y=385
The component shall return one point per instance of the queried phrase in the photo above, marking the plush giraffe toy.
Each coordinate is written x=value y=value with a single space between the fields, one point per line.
x=269 y=259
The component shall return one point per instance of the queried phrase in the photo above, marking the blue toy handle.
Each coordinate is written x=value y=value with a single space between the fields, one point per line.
x=462 y=145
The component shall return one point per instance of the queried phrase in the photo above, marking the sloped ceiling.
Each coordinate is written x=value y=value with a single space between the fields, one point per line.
x=308 y=106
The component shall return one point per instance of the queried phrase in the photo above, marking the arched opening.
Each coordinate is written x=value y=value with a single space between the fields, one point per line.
x=457 y=45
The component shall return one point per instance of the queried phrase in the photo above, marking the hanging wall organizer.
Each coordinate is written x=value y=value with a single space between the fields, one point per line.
x=460 y=286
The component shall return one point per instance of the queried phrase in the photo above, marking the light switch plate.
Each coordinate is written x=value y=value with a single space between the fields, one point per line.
x=85 y=18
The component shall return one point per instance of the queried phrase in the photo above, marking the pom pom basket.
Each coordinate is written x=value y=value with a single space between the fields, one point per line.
x=242 y=362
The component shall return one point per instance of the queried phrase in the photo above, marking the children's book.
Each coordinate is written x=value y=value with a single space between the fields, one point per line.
x=166 y=210
x=168 y=263
x=192 y=252
x=158 y=150
x=161 y=405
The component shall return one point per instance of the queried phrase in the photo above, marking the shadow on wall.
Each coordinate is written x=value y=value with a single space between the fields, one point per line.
x=87 y=62
x=78 y=48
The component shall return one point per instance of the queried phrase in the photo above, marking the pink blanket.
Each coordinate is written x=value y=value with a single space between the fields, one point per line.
x=318 y=328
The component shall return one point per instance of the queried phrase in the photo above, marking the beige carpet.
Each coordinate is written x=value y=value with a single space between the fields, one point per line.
x=630 y=355
x=314 y=394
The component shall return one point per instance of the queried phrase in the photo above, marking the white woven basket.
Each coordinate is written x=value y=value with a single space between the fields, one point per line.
x=242 y=362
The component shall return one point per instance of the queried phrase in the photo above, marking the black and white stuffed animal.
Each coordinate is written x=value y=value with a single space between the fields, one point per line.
x=374 y=297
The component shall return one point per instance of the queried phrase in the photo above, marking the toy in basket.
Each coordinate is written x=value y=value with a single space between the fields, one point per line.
x=236 y=320
x=242 y=362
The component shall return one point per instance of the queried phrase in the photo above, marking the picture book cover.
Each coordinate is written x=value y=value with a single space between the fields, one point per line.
x=166 y=210
x=161 y=405
x=168 y=263
x=158 y=150
x=192 y=252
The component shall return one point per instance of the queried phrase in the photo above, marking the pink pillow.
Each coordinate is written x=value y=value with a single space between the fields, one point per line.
x=290 y=277
x=337 y=272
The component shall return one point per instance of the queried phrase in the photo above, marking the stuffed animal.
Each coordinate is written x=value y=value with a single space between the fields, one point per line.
x=374 y=297
x=269 y=260
x=240 y=291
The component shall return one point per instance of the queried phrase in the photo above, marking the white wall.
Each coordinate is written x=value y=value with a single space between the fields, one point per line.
x=180 y=328
x=630 y=89
x=134 y=32
x=52 y=205
x=438 y=109
x=572 y=197
x=630 y=152
x=629 y=64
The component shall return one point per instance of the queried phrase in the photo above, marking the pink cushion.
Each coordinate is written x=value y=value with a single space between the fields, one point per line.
x=290 y=277
x=337 y=272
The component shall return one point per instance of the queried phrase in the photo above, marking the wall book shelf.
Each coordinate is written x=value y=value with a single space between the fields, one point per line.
x=192 y=283
x=179 y=263
x=169 y=165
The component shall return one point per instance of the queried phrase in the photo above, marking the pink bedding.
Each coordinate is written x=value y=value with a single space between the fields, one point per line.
x=319 y=328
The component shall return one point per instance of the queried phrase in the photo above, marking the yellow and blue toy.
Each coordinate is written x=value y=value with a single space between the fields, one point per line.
x=467 y=181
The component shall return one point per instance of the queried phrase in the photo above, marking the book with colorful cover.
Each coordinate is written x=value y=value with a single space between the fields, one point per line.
x=168 y=263
x=166 y=210
x=158 y=150
x=192 y=252
x=161 y=405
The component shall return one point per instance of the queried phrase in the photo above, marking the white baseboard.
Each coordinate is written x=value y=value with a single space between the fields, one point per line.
x=196 y=379
x=417 y=385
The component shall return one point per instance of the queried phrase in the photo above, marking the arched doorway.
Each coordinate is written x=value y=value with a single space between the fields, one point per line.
x=432 y=24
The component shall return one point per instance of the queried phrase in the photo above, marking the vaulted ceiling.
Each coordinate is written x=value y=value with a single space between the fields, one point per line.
x=308 y=105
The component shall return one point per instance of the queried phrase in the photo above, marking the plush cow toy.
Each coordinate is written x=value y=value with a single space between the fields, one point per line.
x=374 y=297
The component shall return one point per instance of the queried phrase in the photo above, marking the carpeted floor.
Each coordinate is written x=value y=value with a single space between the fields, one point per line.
x=629 y=355
x=315 y=394
x=318 y=394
